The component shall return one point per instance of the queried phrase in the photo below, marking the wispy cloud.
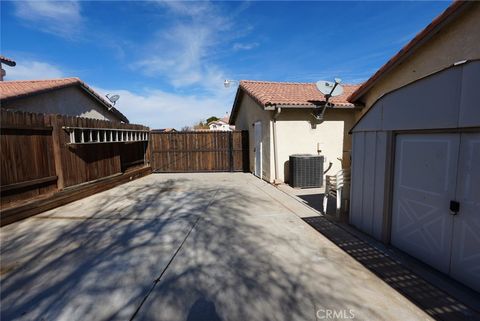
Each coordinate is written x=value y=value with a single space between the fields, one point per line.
x=62 y=18
x=32 y=69
x=245 y=46
x=183 y=52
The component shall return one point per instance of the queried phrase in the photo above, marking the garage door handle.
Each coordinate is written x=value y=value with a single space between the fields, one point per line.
x=454 y=207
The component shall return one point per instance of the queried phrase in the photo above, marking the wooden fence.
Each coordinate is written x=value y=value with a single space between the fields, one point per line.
x=37 y=157
x=50 y=160
x=213 y=151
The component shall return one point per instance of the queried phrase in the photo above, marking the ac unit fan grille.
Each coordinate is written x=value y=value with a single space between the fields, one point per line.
x=306 y=171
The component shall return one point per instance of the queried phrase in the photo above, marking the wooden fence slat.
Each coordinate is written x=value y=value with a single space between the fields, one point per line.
x=213 y=151
x=28 y=183
x=36 y=159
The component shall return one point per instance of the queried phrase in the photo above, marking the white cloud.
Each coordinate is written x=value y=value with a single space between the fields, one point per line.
x=188 y=8
x=245 y=46
x=61 y=18
x=30 y=69
x=160 y=109
x=183 y=53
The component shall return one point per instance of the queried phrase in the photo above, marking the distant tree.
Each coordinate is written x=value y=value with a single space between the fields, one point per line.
x=186 y=129
x=200 y=125
x=213 y=118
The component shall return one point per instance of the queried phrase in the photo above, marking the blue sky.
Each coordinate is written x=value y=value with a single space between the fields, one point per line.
x=168 y=60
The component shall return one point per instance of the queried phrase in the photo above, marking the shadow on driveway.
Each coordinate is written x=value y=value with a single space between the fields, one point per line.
x=435 y=302
x=98 y=258
x=187 y=248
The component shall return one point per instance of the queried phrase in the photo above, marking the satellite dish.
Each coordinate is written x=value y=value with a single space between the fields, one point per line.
x=113 y=99
x=329 y=88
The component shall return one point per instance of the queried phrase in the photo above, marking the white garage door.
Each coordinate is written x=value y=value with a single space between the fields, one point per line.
x=258 y=149
x=431 y=171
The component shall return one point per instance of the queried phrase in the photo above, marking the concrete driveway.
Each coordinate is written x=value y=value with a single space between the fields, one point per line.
x=186 y=247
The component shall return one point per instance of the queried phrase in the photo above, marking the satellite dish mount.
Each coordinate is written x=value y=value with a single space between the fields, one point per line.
x=328 y=89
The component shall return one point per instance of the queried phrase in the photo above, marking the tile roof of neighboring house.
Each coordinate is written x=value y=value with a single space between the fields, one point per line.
x=7 y=61
x=410 y=47
x=164 y=130
x=10 y=90
x=289 y=94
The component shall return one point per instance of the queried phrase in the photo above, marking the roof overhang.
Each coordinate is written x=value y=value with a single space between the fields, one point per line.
x=455 y=9
x=109 y=107
x=236 y=106
x=312 y=106
x=271 y=106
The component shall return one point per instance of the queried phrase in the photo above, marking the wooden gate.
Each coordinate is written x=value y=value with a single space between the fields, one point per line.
x=208 y=151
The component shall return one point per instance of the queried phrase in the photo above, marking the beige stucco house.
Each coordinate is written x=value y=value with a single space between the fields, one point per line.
x=278 y=117
x=66 y=96
x=415 y=180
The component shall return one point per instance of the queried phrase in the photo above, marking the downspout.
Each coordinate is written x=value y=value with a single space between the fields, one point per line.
x=277 y=112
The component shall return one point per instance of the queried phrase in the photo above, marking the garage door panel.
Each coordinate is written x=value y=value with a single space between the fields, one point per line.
x=465 y=265
x=425 y=172
x=424 y=165
x=423 y=232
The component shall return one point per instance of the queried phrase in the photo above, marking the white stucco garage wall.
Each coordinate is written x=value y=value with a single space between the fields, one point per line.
x=295 y=135
x=298 y=137
x=250 y=112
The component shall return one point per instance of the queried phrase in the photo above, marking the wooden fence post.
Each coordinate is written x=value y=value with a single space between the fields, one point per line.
x=57 y=150
x=230 y=150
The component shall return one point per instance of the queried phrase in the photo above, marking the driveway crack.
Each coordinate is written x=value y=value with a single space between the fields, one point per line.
x=157 y=280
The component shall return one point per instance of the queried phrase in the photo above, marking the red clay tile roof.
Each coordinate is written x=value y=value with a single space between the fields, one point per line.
x=22 y=88
x=268 y=93
x=165 y=130
x=7 y=61
x=408 y=49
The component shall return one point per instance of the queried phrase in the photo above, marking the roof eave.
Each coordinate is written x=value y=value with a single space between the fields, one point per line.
x=311 y=106
x=233 y=113
x=421 y=38
x=42 y=91
x=109 y=107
